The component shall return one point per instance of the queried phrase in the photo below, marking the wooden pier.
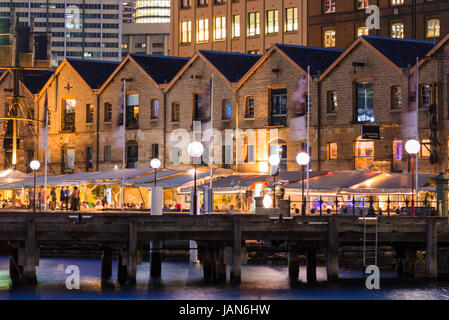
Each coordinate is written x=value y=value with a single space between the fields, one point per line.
x=220 y=238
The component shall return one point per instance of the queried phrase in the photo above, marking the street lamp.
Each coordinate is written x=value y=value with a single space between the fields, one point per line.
x=34 y=165
x=195 y=150
x=412 y=147
x=155 y=164
x=303 y=160
x=274 y=161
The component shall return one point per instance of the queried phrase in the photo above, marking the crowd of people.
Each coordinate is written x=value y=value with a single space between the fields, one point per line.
x=68 y=200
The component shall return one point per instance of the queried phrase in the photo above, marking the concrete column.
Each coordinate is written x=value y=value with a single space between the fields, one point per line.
x=236 y=273
x=293 y=265
x=106 y=264
x=132 y=253
x=311 y=265
x=156 y=245
x=431 y=251
x=30 y=255
x=332 y=250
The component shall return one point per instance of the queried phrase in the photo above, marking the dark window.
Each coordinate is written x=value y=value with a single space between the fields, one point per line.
x=175 y=112
x=107 y=112
x=89 y=158
x=331 y=101
x=249 y=107
x=278 y=107
x=426 y=95
x=68 y=121
x=201 y=3
x=185 y=3
x=132 y=154
x=154 y=151
x=365 y=101
x=154 y=109
x=226 y=110
x=89 y=113
x=107 y=153
x=396 y=97
x=201 y=107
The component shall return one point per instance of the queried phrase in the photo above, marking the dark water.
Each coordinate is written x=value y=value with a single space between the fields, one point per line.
x=184 y=281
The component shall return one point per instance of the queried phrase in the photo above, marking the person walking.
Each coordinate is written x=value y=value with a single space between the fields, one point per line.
x=62 y=197
x=53 y=198
x=67 y=197
x=76 y=199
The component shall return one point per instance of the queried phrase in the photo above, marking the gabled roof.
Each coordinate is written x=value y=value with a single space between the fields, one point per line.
x=301 y=57
x=94 y=72
x=399 y=53
x=319 y=59
x=402 y=52
x=232 y=65
x=161 y=68
x=429 y=54
x=35 y=80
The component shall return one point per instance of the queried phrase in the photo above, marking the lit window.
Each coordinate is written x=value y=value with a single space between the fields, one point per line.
x=397 y=30
x=425 y=148
x=220 y=28
x=332 y=151
x=291 y=19
x=397 y=150
x=272 y=21
x=433 y=28
x=329 y=38
x=329 y=6
x=226 y=115
x=236 y=26
x=253 y=24
x=362 y=4
x=362 y=31
x=202 y=34
x=397 y=2
x=186 y=31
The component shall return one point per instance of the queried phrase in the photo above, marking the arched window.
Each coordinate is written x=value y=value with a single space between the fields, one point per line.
x=132 y=154
x=363 y=154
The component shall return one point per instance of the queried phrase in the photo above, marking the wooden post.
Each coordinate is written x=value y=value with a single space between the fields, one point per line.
x=132 y=253
x=311 y=265
x=293 y=265
x=332 y=250
x=106 y=264
x=236 y=273
x=122 y=274
x=15 y=270
x=208 y=263
x=156 y=259
x=431 y=251
x=220 y=267
x=30 y=255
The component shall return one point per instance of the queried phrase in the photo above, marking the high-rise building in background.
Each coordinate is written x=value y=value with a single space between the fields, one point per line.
x=236 y=26
x=87 y=30
x=337 y=23
x=128 y=11
x=147 y=38
x=152 y=11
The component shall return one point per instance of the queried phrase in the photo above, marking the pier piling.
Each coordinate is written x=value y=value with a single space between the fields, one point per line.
x=431 y=251
x=132 y=253
x=311 y=265
x=106 y=263
x=220 y=267
x=156 y=258
x=30 y=253
x=293 y=265
x=332 y=250
x=236 y=273
x=122 y=273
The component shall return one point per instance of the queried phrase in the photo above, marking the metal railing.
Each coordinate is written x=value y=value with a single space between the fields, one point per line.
x=365 y=206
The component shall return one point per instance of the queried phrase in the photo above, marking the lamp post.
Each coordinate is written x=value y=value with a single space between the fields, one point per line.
x=274 y=161
x=155 y=164
x=34 y=165
x=195 y=149
x=303 y=160
x=412 y=147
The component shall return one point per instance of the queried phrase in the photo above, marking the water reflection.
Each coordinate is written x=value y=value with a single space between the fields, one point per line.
x=184 y=281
